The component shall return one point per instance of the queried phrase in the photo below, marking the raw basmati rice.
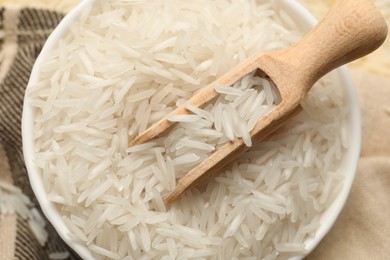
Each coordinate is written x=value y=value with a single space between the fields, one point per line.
x=123 y=67
x=13 y=201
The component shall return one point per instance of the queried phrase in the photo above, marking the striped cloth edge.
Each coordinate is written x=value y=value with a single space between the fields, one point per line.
x=23 y=31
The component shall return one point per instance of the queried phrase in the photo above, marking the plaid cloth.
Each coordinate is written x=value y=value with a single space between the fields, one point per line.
x=22 y=35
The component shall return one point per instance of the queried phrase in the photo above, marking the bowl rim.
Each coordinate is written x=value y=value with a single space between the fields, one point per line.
x=52 y=214
x=48 y=207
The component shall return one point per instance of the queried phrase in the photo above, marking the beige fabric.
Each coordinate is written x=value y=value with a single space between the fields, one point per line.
x=5 y=173
x=7 y=223
x=7 y=236
x=10 y=46
x=56 y=5
x=374 y=96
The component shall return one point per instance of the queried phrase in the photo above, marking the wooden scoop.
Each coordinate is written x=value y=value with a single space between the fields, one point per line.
x=350 y=30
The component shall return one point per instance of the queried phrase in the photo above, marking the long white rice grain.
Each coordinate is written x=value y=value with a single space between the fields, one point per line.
x=185 y=159
x=99 y=168
x=197 y=145
x=98 y=191
x=141 y=95
x=227 y=125
x=187 y=78
x=204 y=114
x=140 y=147
x=234 y=225
x=228 y=90
x=104 y=252
x=183 y=118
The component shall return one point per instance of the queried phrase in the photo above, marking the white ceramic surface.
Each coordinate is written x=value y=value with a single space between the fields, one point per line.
x=305 y=20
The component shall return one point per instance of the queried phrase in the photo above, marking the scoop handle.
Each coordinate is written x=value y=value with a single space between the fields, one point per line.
x=351 y=29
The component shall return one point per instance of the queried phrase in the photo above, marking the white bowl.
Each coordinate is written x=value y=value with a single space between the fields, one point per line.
x=306 y=21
